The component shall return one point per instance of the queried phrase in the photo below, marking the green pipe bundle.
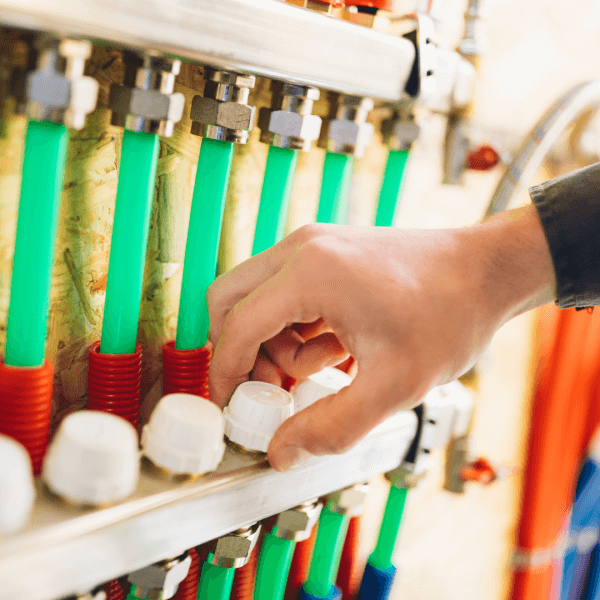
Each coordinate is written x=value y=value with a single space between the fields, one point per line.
x=39 y=207
x=137 y=173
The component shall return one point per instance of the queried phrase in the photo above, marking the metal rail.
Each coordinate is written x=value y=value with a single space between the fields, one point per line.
x=264 y=37
x=69 y=550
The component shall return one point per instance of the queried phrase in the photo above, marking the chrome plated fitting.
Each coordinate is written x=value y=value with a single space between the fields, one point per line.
x=474 y=42
x=97 y=593
x=233 y=550
x=289 y=123
x=160 y=580
x=297 y=523
x=145 y=101
x=350 y=501
x=223 y=113
x=400 y=131
x=349 y=133
x=56 y=89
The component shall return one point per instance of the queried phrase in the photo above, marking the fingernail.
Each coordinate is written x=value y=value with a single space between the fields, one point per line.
x=287 y=458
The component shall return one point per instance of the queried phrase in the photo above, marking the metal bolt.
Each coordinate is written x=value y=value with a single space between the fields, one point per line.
x=223 y=113
x=234 y=549
x=297 y=523
x=160 y=580
x=145 y=101
x=349 y=132
x=349 y=501
x=289 y=123
x=56 y=89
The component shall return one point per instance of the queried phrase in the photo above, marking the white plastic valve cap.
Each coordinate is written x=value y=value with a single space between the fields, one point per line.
x=255 y=411
x=324 y=383
x=93 y=459
x=17 y=493
x=185 y=435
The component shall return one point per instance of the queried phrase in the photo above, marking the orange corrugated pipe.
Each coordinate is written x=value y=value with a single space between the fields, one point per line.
x=350 y=571
x=569 y=348
x=113 y=590
x=188 y=588
x=244 y=578
x=300 y=565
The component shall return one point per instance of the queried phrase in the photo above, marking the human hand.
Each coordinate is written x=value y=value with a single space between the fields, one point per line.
x=414 y=308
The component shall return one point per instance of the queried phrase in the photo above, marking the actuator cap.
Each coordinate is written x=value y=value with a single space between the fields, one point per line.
x=255 y=412
x=93 y=459
x=17 y=493
x=324 y=383
x=184 y=435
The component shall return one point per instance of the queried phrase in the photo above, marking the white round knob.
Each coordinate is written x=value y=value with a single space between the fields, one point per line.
x=93 y=459
x=17 y=493
x=255 y=411
x=184 y=434
x=324 y=383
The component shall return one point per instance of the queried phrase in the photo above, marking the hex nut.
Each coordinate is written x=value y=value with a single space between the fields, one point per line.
x=289 y=130
x=149 y=104
x=347 y=137
x=233 y=550
x=207 y=111
x=297 y=523
x=160 y=580
x=349 y=501
x=400 y=133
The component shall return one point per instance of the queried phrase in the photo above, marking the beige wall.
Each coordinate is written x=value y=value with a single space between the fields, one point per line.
x=452 y=547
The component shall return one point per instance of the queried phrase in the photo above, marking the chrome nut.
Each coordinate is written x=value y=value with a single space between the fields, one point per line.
x=57 y=90
x=289 y=123
x=145 y=110
x=349 y=133
x=221 y=120
x=297 y=523
x=400 y=134
x=160 y=580
x=349 y=501
x=234 y=549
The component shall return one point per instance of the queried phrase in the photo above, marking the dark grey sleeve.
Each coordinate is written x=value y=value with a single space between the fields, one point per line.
x=569 y=208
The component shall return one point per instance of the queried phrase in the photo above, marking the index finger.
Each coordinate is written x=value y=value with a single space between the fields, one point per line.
x=261 y=315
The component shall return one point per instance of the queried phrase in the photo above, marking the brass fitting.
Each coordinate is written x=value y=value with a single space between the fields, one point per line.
x=223 y=113
x=349 y=133
x=349 y=501
x=234 y=549
x=289 y=123
x=56 y=89
x=145 y=101
x=297 y=523
x=160 y=580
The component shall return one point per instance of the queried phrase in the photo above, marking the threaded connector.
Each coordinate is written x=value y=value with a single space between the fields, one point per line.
x=145 y=101
x=350 y=501
x=348 y=132
x=297 y=523
x=234 y=549
x=160 y=580
x=289 y=123
x=56 y=89
x=223 y=113
x=400 y=130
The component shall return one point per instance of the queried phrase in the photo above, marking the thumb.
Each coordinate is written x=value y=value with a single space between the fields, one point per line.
x=331 y=425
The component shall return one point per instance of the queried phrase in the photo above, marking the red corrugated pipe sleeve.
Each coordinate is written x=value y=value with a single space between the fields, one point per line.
x=350 y=572
x=114 y=383
x=300 y=566
x=188 y=588
x=26 y=406
x=245 y=578
x=186 y=371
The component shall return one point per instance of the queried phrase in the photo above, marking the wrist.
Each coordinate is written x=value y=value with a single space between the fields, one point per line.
x=516 y=273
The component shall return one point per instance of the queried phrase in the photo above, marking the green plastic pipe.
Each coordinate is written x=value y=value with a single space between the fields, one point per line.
x=391 y=188
x=215 y=582
x=137 y=173
x=381 y=558
x=333 y=201
x=275 y=198
x=202 y=246
x=273 y=567
x=327 y=553
x=39 y=207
